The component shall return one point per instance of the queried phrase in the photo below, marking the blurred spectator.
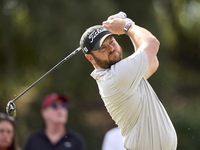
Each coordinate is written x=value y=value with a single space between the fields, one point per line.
x=113 y=140
x=7 y=132
x=55 y=135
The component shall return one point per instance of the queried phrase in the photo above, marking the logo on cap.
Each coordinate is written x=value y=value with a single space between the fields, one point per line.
x=95 y=33
x=85 y=49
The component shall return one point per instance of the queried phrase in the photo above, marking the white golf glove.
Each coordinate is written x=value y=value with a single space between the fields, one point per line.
x=121 y=15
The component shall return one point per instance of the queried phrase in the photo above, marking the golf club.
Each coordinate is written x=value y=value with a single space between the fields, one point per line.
x=11 y=108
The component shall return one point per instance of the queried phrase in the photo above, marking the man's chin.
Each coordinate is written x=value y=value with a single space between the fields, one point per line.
x=115 y=61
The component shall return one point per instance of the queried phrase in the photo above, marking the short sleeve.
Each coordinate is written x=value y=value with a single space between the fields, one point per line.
x=130 y=70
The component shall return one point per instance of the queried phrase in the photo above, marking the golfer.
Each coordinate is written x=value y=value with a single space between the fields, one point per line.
x=123 y=86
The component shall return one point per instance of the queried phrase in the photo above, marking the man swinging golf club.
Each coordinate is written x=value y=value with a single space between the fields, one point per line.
x=123 y=85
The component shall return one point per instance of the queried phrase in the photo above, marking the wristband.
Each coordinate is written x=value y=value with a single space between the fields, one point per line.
x=127 y=26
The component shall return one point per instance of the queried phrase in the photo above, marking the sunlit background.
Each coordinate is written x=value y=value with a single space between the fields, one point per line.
x=35 y=35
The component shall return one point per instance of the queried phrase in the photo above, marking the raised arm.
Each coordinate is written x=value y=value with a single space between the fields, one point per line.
x=140 y=37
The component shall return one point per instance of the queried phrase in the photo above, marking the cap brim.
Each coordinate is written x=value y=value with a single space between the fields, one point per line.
x=100 y=42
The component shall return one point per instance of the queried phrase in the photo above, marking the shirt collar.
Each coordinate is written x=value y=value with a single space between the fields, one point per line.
x=97 y=73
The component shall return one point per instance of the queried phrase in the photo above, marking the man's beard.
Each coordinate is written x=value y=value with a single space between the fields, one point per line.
x=108 y=63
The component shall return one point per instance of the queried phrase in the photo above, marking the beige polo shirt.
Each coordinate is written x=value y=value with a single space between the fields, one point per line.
x=134 y=106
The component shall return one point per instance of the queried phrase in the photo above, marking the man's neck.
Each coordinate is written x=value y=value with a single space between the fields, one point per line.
x=55 y=132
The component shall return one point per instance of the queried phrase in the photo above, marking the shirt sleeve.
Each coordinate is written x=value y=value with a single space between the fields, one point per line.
x=132 y=69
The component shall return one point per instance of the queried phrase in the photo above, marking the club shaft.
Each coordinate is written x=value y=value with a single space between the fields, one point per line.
x=56 y=66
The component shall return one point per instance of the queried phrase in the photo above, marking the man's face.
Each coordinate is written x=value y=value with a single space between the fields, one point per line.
x=6 y=134
x=56 y=113
x=109 y=53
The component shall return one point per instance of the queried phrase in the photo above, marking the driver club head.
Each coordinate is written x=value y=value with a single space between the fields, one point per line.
x=11 y=109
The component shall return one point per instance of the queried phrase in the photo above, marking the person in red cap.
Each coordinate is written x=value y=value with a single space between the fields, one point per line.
x=55 y=135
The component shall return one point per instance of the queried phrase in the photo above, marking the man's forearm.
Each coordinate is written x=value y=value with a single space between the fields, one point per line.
x=138 y=35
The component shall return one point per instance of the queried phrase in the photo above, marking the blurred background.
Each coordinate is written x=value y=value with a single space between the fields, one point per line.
x=36 y=35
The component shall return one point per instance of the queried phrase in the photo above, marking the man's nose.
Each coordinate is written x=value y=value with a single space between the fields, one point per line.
x=110 y=48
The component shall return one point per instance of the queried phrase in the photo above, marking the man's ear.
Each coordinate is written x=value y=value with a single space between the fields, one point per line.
x=89 y=58
x=92 y=60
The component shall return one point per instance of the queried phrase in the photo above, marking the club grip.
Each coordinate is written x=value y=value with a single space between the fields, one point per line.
x=120 y=14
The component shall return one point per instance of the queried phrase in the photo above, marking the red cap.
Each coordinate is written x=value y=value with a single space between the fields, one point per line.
x=51 y=98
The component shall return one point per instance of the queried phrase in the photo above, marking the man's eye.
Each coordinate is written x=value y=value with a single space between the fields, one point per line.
x=102 y=48
x=111 y=41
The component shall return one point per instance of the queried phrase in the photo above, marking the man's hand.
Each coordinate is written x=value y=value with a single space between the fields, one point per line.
x=115 y=23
